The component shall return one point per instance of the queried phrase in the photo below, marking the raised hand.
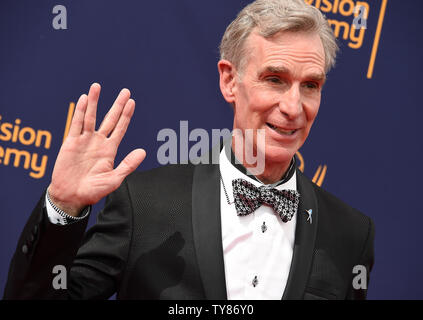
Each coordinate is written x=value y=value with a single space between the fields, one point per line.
x=84 y=170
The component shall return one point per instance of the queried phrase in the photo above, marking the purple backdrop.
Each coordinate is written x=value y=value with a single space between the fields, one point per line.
x=367 y=133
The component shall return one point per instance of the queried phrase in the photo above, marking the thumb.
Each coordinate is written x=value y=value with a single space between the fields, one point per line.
x=130 y=163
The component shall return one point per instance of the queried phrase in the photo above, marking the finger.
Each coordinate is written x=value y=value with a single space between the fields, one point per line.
x=112 y=117
x=123 y=122
x=78 y=116
x=129 y=164
x=90 y=114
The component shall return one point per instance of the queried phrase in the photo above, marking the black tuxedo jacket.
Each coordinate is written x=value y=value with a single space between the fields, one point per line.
x=159 y=237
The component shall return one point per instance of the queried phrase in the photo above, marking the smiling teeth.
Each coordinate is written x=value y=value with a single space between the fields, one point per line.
x=286 y=132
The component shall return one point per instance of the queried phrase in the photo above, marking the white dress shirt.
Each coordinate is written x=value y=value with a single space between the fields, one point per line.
x=257 y=248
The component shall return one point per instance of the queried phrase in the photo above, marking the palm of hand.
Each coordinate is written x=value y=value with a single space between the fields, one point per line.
x=84 y=170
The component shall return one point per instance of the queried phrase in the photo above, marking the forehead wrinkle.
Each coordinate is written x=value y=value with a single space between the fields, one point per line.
x=285 y=63
x=296 y=55
x=267 y=53
x=280 y=43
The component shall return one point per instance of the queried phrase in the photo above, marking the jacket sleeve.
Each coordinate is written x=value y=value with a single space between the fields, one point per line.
x=361 y=275
x=60 y=262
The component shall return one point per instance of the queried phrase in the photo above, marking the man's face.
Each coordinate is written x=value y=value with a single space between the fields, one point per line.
x=279 y=90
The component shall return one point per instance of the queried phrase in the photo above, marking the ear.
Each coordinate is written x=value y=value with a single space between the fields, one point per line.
x=227 y=81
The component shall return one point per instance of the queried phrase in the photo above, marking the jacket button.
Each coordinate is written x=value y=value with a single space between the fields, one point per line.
x=24 y=249
x=31 y=238
x=35 y=230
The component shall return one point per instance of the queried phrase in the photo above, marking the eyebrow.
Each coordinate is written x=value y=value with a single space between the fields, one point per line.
x=318 y=77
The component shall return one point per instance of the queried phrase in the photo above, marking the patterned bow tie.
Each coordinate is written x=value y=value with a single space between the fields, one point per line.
x=248 y=198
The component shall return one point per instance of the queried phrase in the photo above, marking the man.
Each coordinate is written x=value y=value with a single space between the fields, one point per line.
x=208 y=231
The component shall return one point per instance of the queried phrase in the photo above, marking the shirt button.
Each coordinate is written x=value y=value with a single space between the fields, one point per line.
x=255 y=282
x=263 y=227
x=24 y=249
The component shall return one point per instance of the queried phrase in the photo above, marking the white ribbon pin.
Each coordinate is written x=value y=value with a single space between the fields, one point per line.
x=309 y=212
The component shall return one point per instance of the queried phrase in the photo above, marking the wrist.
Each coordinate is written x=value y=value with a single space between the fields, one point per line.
x=71 y=208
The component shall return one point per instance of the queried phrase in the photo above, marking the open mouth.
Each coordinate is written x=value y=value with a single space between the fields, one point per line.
x=281 y=131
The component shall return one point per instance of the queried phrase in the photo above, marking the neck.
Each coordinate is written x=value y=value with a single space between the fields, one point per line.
x=272 y=171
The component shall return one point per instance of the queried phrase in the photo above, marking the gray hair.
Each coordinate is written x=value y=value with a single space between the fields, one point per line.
x=271 y=17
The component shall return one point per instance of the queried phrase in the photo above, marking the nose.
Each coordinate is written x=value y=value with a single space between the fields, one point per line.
x=290 y=102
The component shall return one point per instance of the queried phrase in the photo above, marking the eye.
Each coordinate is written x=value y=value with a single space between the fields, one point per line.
x=273 y=79
x=311 y=85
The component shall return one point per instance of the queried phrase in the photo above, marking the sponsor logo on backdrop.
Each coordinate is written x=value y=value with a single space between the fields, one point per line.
x=348 y=19
x=319 y=174
x=18 y=142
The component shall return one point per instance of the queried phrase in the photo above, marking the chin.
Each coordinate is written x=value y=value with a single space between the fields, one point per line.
x=279 y=154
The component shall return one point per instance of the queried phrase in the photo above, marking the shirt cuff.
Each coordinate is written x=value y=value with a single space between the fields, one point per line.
x=59 y=217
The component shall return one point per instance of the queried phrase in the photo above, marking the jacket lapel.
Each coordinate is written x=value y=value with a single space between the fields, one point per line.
x=207 y=230
x=305 y=237
x=207 y=234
